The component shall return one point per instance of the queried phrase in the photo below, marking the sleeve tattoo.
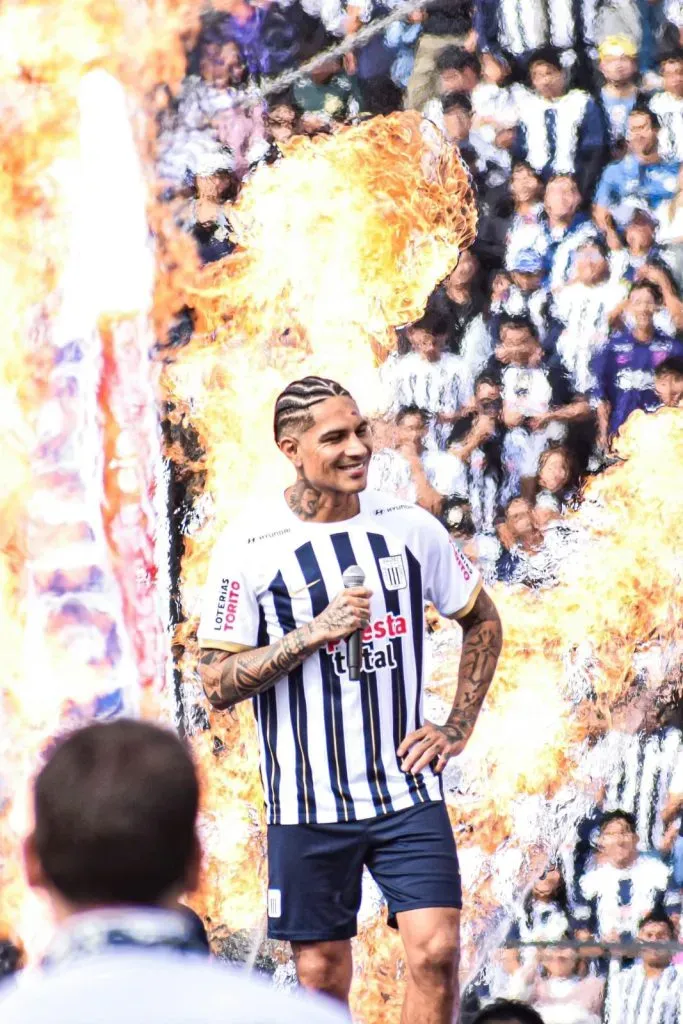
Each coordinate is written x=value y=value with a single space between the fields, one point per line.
x=230 y=678
x=481 y=645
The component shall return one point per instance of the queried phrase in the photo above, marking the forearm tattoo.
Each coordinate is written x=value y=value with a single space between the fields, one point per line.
x=230 y=678
x=481 y=645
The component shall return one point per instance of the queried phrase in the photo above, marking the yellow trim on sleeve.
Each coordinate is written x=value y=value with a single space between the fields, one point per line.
x=224 y=645
x=470 y=604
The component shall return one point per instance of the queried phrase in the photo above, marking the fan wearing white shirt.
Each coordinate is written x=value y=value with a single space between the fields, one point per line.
x=114 y=844
x=434 y=380
x=651 y=991
x=668 y=105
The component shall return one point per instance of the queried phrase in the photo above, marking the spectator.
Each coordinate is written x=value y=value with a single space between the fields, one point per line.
x=563 y=227
x=215 y=184
x=328 y=94
x=562 y=130
x=526 y=189
x=624 y=368
x=526 y=559
x=545 y=912
x=495 y=100
x=526 y=294
x=114 y=843
x=556 y=484
x=640 y=228
x=430 y=378
x=668 y=105
x=460 y=300
x=583 y=307
x=669 y=385
x=436 y=475
x=372 y=62
x=445 y=27
x=480 y=441
x=619 y=69
x=564 y=995
x=624 y=885
x=458 y=71
x=643 y=174
x=652 y=989
x=539 y=400
x=282 y=119
x=670 y=230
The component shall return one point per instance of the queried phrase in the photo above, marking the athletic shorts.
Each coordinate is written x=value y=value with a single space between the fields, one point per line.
x=315 y=871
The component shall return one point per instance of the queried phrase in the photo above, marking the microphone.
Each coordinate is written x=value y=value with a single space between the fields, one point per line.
x=353 y=576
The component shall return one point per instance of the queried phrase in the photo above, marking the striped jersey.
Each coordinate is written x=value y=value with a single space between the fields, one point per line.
x=327 y=744
x=633 y=998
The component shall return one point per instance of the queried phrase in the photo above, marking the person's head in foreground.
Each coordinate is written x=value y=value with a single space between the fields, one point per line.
x=669 y=382
x=590 y=266
x=457 y=116
x=671 y=70
x=656 y=927
x=527 y=270
x=562 y=198
x=318 y=427
x=526 y=184
x=508 y=1011
x=561 y=962
x=520 y=525
x=618 y=839
x=115 y=820
x=412 y=425
x=458 y=70
x=640 y=230
x=519 y=344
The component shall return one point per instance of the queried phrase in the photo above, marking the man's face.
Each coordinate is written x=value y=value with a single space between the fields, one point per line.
x=517 y=346
x=656 y=931
x=618 y=70
x=333 y=454
x=411 y=432
x=526 y=281
x=640 y=234
x=525 y=186
x=642 y=307
x=618 y=843
x=641 y=135
x=488 y=401
x=554 y=475
x=591 y=265
x=547 y=80
x=280 y=123
x=457 y=80
x=560 y=963
x=672 y=77
x=457 y=123
x=518 y=518
x=423 y=343
x=465 y=271
x=562 y=198
x=669 y=387
x=222 y=65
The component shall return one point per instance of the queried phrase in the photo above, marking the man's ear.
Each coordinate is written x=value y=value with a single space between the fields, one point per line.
x=290 y=447
x=32 y=866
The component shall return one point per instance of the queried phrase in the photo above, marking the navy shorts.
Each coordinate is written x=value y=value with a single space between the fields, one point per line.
x=315 y=871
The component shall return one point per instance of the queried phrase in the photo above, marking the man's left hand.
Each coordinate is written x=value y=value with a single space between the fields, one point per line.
x=429 y=743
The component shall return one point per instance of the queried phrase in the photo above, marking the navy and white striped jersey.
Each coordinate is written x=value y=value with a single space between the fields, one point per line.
x=633 y=998
x=616 y=899
x=328 y=745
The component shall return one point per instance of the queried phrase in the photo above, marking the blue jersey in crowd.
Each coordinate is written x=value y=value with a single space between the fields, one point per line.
x=624 y=372
x=630 y=179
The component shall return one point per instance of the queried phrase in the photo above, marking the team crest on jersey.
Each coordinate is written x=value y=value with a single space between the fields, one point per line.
x=393 y=572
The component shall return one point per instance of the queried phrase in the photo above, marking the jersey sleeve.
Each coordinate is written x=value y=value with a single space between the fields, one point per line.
x=229 y=619
x=451 y=582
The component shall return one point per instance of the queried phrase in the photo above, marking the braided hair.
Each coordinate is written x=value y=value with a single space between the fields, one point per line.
x=293 y=405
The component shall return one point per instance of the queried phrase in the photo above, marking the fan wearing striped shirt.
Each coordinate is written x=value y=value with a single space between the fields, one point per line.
x=650 y=992
x=350 y=768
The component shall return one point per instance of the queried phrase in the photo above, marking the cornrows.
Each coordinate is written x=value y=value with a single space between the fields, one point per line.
x=292 y=406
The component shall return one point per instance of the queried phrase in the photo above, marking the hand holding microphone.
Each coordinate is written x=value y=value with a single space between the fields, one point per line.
x=347 y=616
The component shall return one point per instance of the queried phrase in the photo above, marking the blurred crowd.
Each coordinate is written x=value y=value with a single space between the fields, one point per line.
x=563 y=319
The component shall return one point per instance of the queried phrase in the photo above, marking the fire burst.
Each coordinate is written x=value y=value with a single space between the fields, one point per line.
x=340 y=241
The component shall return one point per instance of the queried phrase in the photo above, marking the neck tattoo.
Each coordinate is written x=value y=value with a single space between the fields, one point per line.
x=304 y=500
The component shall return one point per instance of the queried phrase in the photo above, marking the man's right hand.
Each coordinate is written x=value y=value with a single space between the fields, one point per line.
x=349 y=611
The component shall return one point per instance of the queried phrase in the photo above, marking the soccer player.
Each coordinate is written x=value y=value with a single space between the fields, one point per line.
x=350 y=769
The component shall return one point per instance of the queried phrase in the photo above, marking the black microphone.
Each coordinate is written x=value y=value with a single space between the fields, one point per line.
x=353 y=576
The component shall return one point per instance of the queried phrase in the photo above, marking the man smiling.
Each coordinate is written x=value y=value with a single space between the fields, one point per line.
x=350 y=769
